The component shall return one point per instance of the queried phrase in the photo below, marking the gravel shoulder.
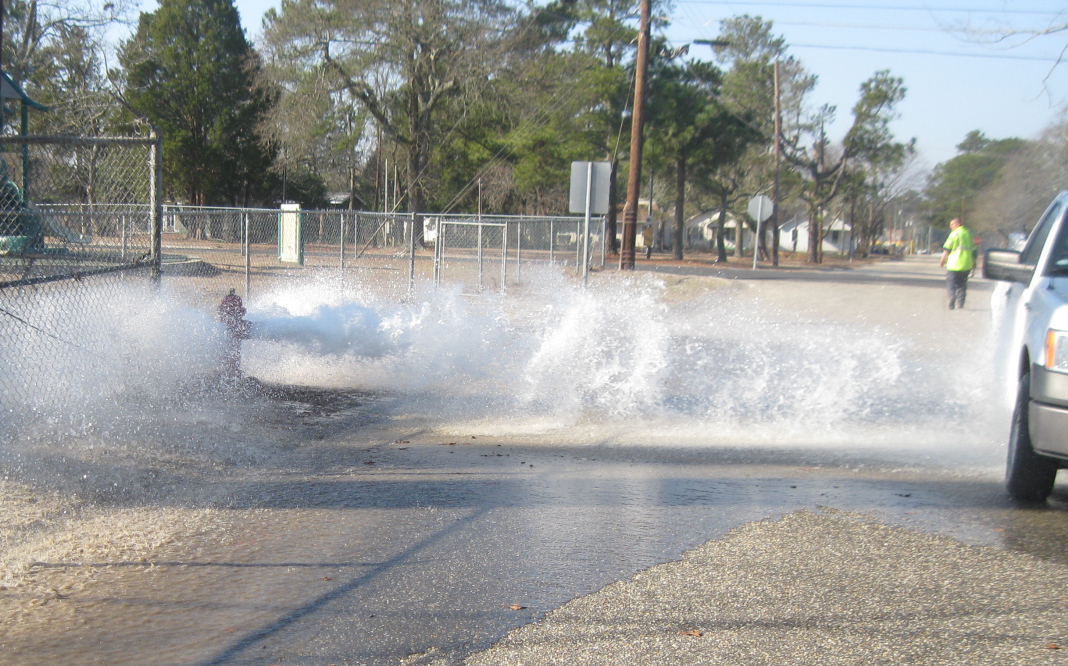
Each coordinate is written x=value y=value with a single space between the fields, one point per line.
x=812 y=587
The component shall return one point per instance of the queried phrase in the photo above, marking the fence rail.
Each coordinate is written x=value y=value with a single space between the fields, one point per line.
x=244 y=244
x=115 y=224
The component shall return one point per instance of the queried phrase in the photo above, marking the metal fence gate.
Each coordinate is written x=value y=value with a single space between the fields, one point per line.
x=471 y=252
x=494 y=249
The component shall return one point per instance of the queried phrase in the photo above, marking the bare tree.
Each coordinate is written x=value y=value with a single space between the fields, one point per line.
x=32 y=28
x=400 y=61
x=1025 y=185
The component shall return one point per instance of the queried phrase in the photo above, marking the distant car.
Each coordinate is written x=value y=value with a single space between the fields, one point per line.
x=1032 y=305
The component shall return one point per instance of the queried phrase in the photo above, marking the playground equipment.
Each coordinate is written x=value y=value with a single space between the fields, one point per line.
x=23 y=227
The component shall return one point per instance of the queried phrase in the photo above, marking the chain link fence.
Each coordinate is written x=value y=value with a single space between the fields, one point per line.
x=86 y=245
x=78 y=219
x=250 y=250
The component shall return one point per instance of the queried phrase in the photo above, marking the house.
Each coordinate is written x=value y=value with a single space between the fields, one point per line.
x=837 y=236
x=700 y=231
x=342 y=199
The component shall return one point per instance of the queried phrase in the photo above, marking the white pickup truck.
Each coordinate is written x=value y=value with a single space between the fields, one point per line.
x=1034 y=302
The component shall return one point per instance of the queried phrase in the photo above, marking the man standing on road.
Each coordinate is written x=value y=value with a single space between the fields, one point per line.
x=958 y=256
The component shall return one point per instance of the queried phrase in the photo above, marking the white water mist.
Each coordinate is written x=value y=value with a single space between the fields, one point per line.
x=716 y=365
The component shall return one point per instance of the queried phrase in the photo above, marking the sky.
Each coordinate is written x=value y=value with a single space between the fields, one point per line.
x=960 y=71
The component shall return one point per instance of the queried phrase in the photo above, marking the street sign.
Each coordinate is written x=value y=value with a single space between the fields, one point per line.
x=601 y=173
x=589 y=195
x=760 y=207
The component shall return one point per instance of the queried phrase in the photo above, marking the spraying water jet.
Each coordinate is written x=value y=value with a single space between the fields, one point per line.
x=232 y=315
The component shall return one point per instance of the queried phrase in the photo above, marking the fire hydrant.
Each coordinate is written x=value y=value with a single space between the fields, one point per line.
x=231 y=314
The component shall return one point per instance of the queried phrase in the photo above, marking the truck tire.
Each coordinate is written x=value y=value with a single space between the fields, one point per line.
x=1029 y=477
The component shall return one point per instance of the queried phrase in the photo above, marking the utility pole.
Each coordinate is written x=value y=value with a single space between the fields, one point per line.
x=630 y=209
x=649 y=217
x=778 y=159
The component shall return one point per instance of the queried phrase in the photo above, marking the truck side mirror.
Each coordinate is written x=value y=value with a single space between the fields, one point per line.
x=1005 y=265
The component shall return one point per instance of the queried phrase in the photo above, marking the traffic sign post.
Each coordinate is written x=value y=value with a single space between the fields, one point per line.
x=760 y=209
x=589 y=195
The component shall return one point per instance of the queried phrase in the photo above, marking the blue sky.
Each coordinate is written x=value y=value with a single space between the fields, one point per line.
x=958 y=74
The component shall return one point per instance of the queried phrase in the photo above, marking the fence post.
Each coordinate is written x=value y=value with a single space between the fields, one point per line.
x=479 y=254
x=155 y=202
x=604 y=230
x=552 y=243
x=411 y=253
x=518 y=252
x=578 y=247
x=341 y=225
x=438 y=243
x=248 y=257
x=356 y=237
x=504 y=260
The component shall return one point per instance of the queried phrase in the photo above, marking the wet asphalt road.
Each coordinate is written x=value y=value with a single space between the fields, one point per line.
x=399 y=543
x=436 y=551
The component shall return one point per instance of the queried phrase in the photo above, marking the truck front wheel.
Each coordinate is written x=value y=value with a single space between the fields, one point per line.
x=1029 y=477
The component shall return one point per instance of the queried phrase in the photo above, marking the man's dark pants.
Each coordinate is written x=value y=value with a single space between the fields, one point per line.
x=957 y=284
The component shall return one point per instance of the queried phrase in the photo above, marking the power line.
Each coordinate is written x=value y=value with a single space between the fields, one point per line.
x=898 y=28
x=811 y=5
x=925 y=52
x=994 y=56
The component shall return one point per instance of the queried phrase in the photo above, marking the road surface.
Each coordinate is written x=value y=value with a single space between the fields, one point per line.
x=353 y=527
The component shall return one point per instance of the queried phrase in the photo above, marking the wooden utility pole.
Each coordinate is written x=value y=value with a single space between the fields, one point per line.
x=630 y=209
x=777 y=221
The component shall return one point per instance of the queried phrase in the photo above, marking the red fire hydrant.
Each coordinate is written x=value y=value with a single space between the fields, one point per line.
x=232 y=314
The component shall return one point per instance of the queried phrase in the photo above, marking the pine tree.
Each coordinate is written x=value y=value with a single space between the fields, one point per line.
x=191 y=72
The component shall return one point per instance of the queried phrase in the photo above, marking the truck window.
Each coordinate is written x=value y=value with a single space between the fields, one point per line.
x=1037 y=240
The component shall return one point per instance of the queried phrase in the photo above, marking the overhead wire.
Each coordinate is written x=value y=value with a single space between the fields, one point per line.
x=918 y=8
x=696 y=19
x=955 y=54
x=558 y=99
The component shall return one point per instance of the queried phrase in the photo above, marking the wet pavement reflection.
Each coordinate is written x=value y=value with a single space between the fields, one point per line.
x=439 y=548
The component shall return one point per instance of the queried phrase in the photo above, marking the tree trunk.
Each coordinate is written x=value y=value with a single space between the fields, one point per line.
x=721 y=245
x=775 y=236
x=813 y=235
x=415 y=193
x=613 y=202
x=680 y=201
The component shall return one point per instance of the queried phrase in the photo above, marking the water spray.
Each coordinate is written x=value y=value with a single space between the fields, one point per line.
x=232 y=315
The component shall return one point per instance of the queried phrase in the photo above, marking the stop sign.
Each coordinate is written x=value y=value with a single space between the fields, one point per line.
x=760 y=207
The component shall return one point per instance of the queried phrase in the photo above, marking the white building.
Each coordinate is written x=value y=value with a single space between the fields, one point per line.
x=837 y=235
x=701 y=231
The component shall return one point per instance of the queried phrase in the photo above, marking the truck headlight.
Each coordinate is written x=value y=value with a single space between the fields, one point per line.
x=1057 y=350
